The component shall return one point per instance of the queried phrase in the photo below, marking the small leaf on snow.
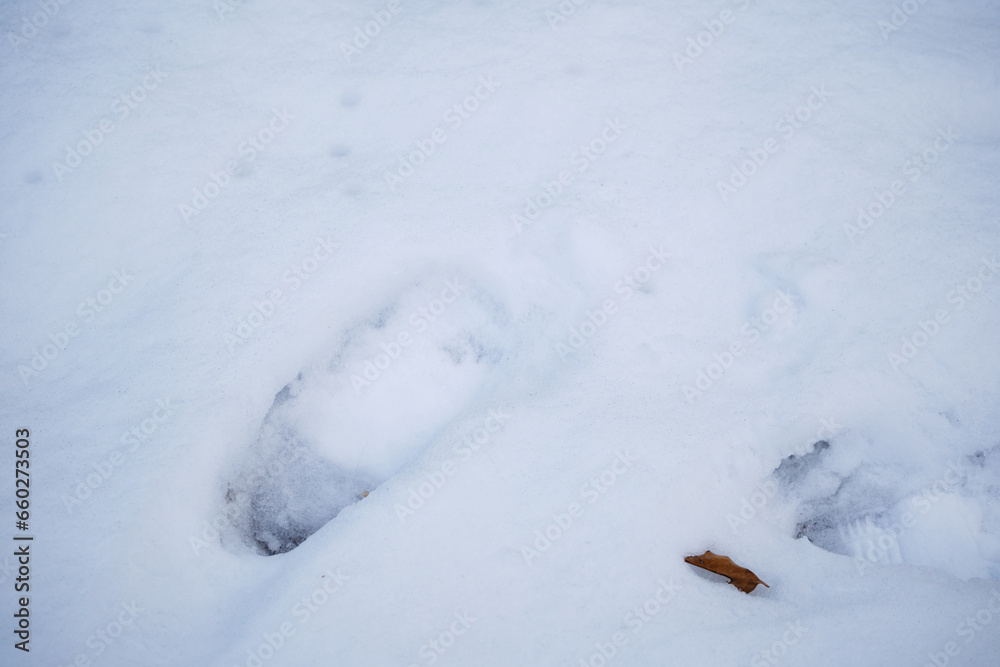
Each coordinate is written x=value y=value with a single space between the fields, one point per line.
x=742 y=578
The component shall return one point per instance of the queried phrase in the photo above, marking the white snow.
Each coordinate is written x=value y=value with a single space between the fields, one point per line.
x=562 y=286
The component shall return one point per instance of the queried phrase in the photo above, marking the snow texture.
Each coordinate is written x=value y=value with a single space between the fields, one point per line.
x=391 y=333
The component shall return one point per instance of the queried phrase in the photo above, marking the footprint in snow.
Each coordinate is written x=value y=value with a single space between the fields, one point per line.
x=345 y=425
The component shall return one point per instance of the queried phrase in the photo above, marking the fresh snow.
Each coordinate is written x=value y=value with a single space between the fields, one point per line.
x=571 y=290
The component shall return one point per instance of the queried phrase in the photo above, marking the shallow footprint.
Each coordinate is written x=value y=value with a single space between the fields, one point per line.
x=346 y=425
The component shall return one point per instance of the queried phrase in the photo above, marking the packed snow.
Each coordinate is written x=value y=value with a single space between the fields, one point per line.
x=391 y=333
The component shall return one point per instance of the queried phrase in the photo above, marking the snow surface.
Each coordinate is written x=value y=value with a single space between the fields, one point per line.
x=618 y=379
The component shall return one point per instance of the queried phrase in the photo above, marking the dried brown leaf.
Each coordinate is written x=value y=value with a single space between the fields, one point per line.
x=742 y=578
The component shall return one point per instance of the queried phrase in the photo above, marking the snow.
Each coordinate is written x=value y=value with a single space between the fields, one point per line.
x=563 y=287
